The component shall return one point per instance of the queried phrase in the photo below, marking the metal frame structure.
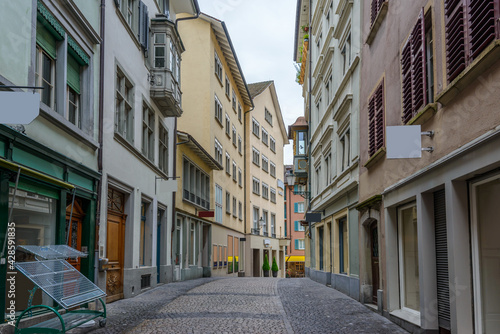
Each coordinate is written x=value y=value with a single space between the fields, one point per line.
x=64 y=284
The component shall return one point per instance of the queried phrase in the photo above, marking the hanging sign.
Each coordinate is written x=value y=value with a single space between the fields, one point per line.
x=19 y=107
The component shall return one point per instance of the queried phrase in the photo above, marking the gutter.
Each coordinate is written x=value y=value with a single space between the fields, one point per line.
x=197 y=7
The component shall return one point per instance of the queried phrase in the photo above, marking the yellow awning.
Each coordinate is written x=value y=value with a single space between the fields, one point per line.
x=33 y=173
x=295 y=258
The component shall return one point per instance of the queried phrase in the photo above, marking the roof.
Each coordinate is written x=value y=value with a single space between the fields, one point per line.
x=299 y=122
x=222 y=35
x=187 y=139
x=258 y=87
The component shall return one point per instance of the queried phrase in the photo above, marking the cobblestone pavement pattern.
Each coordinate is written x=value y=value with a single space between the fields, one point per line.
x=242 y=305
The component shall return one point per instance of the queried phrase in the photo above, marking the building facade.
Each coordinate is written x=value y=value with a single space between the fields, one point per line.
x=215 y=99
x=141 y=101
x=430 y=260
x=49 y=168
x=327 y=46
x=294 y=228
x=265 y=136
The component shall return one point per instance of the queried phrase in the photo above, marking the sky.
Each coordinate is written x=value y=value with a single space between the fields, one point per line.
x=263 y=40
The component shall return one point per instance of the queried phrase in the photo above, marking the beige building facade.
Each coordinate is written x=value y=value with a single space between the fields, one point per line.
x=265 y=136
x=431 y=219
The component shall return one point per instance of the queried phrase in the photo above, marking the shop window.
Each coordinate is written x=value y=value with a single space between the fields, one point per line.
x=408 y=258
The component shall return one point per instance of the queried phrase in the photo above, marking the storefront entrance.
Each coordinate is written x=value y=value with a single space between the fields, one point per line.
x=486 y=254
x=115 y=245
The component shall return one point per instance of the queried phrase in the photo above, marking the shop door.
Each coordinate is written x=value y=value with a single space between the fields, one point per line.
x=115 y=242
x=75 y=233
x=375 y=261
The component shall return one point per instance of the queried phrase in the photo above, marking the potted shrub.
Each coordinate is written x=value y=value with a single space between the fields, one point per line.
x=265 y=266
x=274 y=268
x=289 y=273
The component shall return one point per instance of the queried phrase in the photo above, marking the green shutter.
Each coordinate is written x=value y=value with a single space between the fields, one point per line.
x=73 y=74
x=295 y=207
x=296 y=225
x=45 y=39
x=296 y=243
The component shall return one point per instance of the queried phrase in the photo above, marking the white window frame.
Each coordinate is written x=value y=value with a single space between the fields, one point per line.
x=218 y=203
x=218 y=151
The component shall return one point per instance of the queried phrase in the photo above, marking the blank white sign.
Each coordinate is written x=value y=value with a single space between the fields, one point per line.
x=19 y=107
x=404 y=142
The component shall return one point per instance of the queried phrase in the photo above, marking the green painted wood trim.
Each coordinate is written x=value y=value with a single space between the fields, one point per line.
x=61 y=218
x=76 y=51
x=33 y=147
x=73 y=73
x=36 y=187
x=88 y=240
x=369 y=202
x=2 y=149
x=46 y=40
x=81 y=181
x=34 y=174
x=44 y=12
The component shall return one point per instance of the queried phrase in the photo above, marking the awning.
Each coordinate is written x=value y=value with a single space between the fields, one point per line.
x=296 y=258
x=187 y=139
x=34 y=174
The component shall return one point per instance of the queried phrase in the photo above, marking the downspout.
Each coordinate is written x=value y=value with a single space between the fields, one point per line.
x=309 y=127
x=197 y=7
x=100 y=139
x=101 y=121
x=245 y=164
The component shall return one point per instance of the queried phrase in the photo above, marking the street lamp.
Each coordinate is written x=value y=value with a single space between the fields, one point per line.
x=290 y=178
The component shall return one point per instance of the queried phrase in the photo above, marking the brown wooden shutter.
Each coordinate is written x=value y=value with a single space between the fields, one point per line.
x=371 y=126
x=455 y=37
x=418 y=64
x=414 y=88
x=481 y=19
x=376 y=125
x=375 y=8
x=407 y=81
x=380 y=128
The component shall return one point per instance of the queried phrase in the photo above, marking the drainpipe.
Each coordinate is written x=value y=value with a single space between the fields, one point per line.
x=100 y=137
x=309 y=127
x=197 y=7
x=245 y=180
x=101 y=116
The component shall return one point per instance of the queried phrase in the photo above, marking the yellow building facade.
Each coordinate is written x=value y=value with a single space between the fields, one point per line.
x=215 y=99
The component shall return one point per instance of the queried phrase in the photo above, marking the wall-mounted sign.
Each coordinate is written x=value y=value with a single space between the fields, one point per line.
x=404 y=142
x=19 y=107
x=281 y=184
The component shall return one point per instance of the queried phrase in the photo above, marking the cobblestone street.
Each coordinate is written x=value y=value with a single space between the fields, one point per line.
x=242 y=305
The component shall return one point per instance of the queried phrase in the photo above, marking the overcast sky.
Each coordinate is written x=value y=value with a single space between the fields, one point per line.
x=262 y=32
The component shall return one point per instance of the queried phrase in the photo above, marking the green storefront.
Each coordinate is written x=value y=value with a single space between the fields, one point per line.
x=48 y=182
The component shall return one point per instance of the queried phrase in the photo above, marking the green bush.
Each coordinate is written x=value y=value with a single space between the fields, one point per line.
x=275 y=265
x=265 y=266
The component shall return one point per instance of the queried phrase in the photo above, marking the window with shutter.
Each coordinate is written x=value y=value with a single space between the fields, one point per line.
x=376 y=131
x=413 y=66
x=375 y=8
x=470 y=28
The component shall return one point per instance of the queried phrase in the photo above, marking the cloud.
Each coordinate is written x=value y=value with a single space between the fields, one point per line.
x=263 y=40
